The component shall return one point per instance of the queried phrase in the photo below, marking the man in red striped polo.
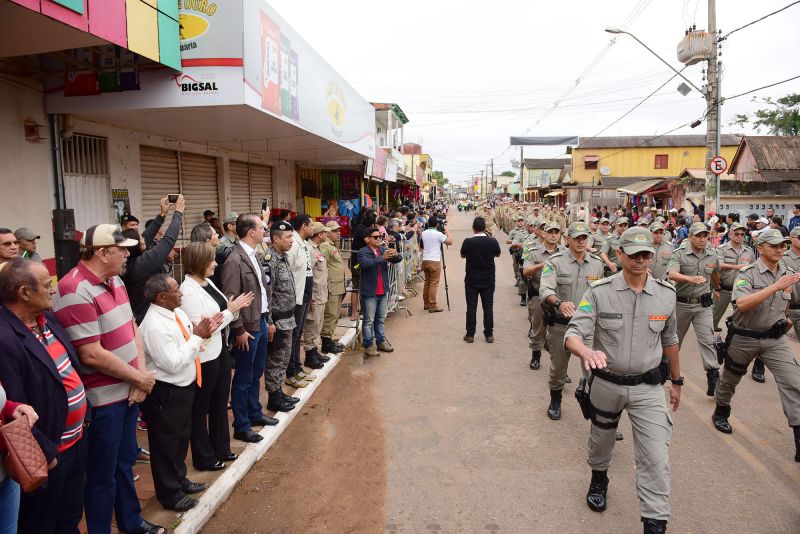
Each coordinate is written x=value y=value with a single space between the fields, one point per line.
x=94 y=310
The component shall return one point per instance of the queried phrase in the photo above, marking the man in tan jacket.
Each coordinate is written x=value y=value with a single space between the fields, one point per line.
x=312 y=343
x=336 y=287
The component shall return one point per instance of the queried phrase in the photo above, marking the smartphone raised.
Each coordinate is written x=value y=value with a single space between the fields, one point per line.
x=172 y=198
x=264 y=203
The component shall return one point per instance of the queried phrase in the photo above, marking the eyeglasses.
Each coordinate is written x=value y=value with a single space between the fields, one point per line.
x=738 y=234
x=376 y=236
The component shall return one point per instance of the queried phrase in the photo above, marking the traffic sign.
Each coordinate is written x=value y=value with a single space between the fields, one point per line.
x=718 y=165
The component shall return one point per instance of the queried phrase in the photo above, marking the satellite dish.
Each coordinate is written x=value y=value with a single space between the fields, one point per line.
x=605 y=171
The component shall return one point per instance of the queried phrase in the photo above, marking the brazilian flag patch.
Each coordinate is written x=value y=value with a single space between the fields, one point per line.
x=741 y=282
x=547 y=269
x=585 y=305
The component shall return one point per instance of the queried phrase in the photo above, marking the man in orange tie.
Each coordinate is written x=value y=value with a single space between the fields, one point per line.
x=172 y=346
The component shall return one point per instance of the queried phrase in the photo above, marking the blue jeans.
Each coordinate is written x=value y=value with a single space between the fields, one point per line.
x=244 y=387
x=374 y=311
x=9 y=506
x=109 y=471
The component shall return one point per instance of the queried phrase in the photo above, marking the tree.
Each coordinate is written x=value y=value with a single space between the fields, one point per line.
x=438 y=177
x=508 y=173
x=781 y=117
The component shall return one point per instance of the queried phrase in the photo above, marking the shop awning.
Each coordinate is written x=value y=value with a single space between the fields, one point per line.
x=591 y=159
x=637 y=188
x=555 y=193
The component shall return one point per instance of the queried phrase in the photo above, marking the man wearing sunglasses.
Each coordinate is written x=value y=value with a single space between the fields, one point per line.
x=733 y=255
x=629 y=321
x=694 y=267
x=611 y=245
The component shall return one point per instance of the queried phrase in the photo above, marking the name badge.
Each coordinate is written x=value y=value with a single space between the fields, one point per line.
x=658 y=317
x=592 y=278
x=610 y=315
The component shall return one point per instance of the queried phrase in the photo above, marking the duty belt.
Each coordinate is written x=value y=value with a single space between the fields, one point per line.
x=772 y=333
x=691 y=300
x=278 y=315
x=726 y=288
x=652 y=377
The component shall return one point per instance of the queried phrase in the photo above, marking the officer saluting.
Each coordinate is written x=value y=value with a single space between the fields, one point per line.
x=515 y=238
x=761 y=295
x=611 y=245
x=630 y=318
x=565 y=278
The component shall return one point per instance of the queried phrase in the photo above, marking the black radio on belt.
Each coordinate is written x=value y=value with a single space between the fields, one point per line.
x=706 y=300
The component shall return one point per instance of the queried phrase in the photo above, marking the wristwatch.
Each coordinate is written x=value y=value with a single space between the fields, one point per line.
x=677 y=381
x=557 y=304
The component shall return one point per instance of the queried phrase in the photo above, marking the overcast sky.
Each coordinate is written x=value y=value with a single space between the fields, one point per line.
x=469 y=74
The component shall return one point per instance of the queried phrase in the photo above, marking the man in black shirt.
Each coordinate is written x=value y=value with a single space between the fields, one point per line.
x=480 y=251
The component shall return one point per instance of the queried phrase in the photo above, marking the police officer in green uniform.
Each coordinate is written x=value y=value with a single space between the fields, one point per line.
x=663 y=251
x=515 y=238
x=733 y=255
x=532 y=267
x=762 y=292
x=792 y=260
x=628 y=321
x=565 y=278
x=695 y=270
x=611 y=245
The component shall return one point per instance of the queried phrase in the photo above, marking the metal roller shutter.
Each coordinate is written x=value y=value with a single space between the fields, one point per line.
x=199 y=187
x=240 y=187
x=160 y=177
x=260 y=186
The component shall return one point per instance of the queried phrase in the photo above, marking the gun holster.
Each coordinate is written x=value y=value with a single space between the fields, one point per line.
x=707 y=300
x=663 y=368
x=547 y=315
x=722 y=346
x=582 y=396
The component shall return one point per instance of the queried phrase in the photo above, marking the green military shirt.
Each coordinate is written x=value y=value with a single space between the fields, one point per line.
x=630 y=328
x=530 y=243
x=336 y=271
x=792 y=261
x=567 y=278
x=610 y=247
x=661 y=260
x=689 y=263
x=536 y=256
x=727 y=254
x=517 y=235
x=752 y=279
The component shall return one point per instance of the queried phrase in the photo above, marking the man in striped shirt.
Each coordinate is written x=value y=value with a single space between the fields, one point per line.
x=93 y=308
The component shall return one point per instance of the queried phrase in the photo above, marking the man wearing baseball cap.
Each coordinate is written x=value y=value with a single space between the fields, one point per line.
x=695 y=270
x=27 y=243
x=733 y=255
x=336 y=287
x=663 y=251
x=611 y=245
x=629 y=320
x=93 y=307
x=311 y=341
x=516 y=238
x=129 y=222
x=761 y=292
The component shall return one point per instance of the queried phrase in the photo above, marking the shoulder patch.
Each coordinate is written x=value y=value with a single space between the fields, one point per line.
x=585 y=305
x=556 y=254
x=746 y=268
x=267 y=256
x=600 y=282
x=664 y=283
x=595 y=256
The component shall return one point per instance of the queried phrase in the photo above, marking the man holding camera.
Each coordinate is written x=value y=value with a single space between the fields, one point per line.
x=434 y=236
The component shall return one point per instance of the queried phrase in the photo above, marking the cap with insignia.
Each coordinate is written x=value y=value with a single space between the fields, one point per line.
x=541 y=222
x=282 y=226
x=795 y=231
x=656 y=226
x=605 y=220
x=332 y=225
x=698 y=228
x=642 y=222
x=318 y=228
x=737 y=226
x=634 y=240
x=230 y=217
x=578 y=229
x=622 y=220
x=551 y=225
x=773 y=236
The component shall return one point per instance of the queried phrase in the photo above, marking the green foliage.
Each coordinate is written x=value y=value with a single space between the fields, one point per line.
x=508 y=173
x=438 y=177
x=781 y=117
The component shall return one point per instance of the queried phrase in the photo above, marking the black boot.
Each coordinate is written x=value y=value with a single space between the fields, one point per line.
x=330 y=346
x=313 y=361
x=523 y=301
x=554 y=410
x=289 y=398
x=277 y=403
x=536 y=356
x=319 y=356
x=596 y=497
x=712 y=376
x=796 y=443
x=720 y=419
x=758 y=371
x=654 y=526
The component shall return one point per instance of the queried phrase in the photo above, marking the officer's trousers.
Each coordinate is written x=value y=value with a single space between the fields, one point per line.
x=332 y=310
x=538 y=329
x=721 y=306
x=652 y=432
x=519 y=280
x=559 y=356
x=777 y=356
x=701 y=318
x=312 y=330
x=279 y=351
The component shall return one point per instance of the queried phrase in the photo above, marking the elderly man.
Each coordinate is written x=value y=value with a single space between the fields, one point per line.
x=336 y=287
x=27 y=243
x=93 y=307
x=172 y=350
x=9 y=245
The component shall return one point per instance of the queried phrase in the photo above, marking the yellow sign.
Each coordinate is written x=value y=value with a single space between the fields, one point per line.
x=192 y=26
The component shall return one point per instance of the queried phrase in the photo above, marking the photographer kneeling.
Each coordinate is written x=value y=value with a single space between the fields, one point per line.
x=432 y=239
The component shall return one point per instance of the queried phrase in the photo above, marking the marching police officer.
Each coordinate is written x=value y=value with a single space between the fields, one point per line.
x=515 y=238
x=565 y=278
x=630 y=319
x=733 y=255
x=762 y=292
x=611 y=245
x=281 y=298
x=695 y=269
x=792 y=260
x=663 y=251
x=532 y=267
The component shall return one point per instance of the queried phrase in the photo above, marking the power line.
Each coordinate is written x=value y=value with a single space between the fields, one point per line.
x=762 y=87
x=757 y=20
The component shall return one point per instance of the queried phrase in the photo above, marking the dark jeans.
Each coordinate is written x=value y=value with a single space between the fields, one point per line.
x=249 y=366
x=300 y=314
x=169 y=417
x=487 y=301
x=211 y=439
x=109 y=475
x=57 y=508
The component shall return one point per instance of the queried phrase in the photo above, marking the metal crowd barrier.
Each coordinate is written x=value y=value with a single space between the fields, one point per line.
x=402 y=273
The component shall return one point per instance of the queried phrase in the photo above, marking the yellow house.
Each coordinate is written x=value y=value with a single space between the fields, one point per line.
x=642 y=157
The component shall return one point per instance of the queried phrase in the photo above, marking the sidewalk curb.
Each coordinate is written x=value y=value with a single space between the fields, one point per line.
x=193 y=521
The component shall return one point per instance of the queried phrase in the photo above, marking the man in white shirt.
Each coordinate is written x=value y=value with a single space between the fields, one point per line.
x=432 y=241
x=172 y=348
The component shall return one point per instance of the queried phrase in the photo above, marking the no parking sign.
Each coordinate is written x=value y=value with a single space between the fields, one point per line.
x=718 y=165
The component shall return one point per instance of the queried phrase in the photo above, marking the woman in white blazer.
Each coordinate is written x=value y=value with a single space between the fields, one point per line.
x=210 y=436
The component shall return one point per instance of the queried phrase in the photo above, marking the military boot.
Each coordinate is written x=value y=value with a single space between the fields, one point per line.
x=289 y=398
x=796 y=443
x=720 y=419
x=758 y=371
x=313 y=361
x=598 y=487
x=654 y=526
x=331 y=347
x=536 y=356
x=277 y=402
x=554 y=410
x=523 y=300
x=712 y=376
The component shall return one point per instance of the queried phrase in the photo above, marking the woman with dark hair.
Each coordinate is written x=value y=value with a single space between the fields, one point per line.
x=144 y=263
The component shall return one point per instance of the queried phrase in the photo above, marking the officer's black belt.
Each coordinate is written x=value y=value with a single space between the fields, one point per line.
x=691 y=300
x=651 y=377
x=265 y=316
x=794 y=306
x=278 y=315
x=755 y=334
x=726 y=288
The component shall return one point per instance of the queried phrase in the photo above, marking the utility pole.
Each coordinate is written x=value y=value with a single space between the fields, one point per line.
x=492 y=161
x=712 y=117
x=483 y=186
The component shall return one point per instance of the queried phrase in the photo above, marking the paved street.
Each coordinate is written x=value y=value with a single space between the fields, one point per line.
x=443 y=436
